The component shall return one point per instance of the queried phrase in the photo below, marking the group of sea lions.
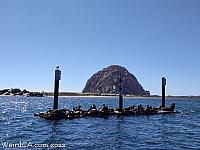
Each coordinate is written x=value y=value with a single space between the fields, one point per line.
x=104 y=111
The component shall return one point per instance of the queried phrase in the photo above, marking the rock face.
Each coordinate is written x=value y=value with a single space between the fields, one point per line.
x=106 y=81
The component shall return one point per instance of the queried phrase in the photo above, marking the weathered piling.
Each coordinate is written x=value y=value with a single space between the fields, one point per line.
x=120 y=94
x=163 y=91
x=56 y=87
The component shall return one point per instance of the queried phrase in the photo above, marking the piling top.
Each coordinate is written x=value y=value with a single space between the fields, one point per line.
x=163 y=81
x=57 y=73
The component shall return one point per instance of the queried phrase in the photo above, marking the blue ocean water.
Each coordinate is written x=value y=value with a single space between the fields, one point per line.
x=19 y=129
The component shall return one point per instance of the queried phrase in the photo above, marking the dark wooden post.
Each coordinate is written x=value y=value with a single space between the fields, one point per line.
x=120 y=94
x=163 y=91
x=56 y=87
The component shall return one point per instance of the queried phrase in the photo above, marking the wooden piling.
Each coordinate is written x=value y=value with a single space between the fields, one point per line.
x=120 y=94
x=56 y=87
x=163 y=91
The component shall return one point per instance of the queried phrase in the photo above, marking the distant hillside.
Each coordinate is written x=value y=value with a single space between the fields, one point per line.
x=19 y=92
x=106 y=81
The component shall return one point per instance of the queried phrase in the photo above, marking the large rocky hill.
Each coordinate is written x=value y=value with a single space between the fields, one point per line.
x=106 y=81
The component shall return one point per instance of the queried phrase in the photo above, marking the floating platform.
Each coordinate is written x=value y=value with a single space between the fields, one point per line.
x=67 y=114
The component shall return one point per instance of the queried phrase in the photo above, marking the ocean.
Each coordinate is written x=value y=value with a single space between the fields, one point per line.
x=19 y=129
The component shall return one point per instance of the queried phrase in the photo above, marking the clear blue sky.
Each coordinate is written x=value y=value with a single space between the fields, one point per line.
x=151 y=38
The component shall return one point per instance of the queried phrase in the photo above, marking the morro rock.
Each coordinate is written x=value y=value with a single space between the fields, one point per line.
x=106 y=81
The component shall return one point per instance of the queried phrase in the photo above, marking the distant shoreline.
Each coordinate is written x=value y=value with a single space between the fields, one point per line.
x=115 y=95
x=63 y=94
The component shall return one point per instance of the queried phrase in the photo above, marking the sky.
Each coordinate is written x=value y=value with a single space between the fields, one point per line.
x=151 y=38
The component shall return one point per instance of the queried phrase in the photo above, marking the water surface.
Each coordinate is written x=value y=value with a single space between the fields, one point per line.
x=172 y=131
